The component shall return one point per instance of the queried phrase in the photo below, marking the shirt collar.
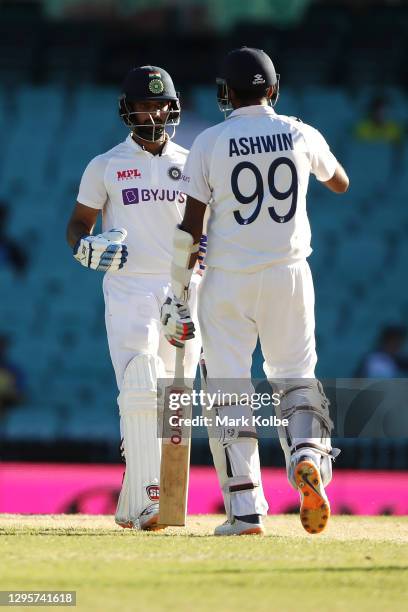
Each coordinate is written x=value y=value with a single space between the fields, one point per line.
x=138 y=149
x=133 y=144
x=256 y=109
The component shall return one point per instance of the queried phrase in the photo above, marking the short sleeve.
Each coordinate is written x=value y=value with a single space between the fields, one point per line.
x=195 y=174
x=92 y=190
x=323 y=162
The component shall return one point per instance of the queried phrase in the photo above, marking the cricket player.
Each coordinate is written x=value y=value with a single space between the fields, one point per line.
x=252 y=171
x=136 y=186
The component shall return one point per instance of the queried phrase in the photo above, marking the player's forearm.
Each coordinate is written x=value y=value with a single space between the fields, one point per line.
x=196 y=239
x=339 y=182
x=81 y=223
x=77 y=230
x=193 y=260
x=194 y=231
x=194 y=218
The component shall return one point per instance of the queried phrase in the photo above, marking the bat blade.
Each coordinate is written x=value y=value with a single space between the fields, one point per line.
x=174 y=485
x=175 y=461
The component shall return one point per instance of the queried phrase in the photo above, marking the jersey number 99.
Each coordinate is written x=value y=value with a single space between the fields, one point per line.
x=258 y=194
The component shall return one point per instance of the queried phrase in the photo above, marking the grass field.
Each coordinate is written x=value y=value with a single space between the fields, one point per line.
x=359 y=563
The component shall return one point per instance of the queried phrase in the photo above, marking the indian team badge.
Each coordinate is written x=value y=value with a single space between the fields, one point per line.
x=174 y=173
x=156 y=86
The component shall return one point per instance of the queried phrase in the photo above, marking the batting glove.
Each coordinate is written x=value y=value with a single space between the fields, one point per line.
x=102 y=252
x=202 y=252
x=176 y=321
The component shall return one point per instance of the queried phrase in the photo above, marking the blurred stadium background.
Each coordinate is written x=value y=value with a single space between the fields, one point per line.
x=343 y=66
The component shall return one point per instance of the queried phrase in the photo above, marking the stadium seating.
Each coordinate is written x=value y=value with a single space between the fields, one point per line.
x=54 y=314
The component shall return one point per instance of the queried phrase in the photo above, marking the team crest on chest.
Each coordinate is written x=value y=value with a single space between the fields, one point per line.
x=174 y=173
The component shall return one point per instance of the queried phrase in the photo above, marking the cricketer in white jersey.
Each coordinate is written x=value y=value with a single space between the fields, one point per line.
x=136 y=186
x=252 y=171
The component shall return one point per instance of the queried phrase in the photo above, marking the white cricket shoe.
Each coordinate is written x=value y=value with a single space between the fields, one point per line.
x=314 y=505
x=148 y=519
x=237 y=527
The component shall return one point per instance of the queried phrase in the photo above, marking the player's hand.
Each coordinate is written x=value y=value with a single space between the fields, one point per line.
x=176 y=321
x=102 y=252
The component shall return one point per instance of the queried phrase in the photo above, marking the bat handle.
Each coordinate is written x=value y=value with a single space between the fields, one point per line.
x=179 y=371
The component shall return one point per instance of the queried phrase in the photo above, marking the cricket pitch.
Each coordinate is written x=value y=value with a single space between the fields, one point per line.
x=357 y=563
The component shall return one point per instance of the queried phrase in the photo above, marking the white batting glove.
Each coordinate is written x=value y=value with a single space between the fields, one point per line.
x=202 y=252
x=176 y=321
x=102 y=252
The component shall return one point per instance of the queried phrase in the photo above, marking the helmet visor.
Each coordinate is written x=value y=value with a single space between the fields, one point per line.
x=149 y=125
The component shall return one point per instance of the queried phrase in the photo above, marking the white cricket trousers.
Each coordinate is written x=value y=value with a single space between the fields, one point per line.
x=132 y=317
x=276 y=304
x=137 y=345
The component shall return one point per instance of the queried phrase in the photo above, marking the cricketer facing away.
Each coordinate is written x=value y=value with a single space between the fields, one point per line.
x=252 y=171
x=136 y=185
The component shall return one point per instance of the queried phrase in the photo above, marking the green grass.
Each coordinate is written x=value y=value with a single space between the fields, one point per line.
x=359 y=563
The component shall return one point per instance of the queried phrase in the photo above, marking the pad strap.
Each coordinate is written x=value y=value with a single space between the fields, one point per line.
x=237 y=484
x=306 y=398
x=333 y=452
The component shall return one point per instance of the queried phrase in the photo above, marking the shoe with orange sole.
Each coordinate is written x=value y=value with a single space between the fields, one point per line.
x=237 y=527
x=314 y=505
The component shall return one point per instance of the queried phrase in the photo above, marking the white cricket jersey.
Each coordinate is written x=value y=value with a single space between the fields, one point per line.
x=140 y=192
x=253 y=171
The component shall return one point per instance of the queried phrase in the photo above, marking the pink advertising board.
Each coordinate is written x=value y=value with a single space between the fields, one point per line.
x=39 y=488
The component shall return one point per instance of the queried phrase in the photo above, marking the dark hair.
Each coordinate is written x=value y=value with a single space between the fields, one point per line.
x=246 y=96
x=392 y=332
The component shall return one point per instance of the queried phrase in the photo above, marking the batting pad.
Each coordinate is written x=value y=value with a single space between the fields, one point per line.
x=236 y=460
x=138 y=410
x=306 y=407
x=122 y=509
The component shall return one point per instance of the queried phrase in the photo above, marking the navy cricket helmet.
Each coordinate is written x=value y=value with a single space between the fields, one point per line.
x=148 y=83
x=248 y=71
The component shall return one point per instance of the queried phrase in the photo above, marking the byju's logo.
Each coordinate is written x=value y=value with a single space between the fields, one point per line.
x=135 y=195
x=125 y=175
x=130 y=196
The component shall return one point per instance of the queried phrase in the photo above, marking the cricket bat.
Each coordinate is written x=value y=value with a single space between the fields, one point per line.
x=176 y=443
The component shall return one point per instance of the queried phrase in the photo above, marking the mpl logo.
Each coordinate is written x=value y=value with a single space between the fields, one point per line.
x=153 y=492
x=125 y=175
